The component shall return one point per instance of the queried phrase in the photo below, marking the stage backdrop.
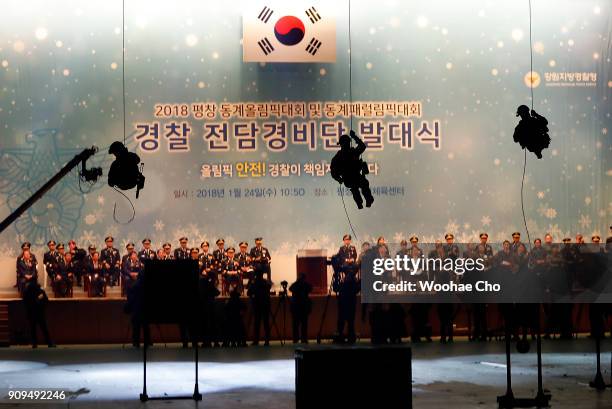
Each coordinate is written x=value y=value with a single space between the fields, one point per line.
x=236 y=144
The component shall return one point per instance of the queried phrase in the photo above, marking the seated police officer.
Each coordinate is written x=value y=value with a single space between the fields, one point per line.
x=24 y=246
x=96 y=275
x=167 y=255
x=131 y=270
x=129 y=248
x=182 y=252
x=27 y=269
x=66 y=277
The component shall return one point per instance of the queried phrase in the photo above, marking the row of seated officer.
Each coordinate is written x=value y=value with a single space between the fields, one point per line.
x=95 y=270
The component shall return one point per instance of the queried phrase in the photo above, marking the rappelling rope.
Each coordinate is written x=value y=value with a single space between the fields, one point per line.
x=350 y=110
x=525 y=150
x=123 y=64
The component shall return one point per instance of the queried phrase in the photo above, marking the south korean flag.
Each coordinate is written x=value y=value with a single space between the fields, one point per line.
x=288 y=32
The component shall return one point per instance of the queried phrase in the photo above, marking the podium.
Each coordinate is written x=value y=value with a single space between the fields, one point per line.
x=313 y=263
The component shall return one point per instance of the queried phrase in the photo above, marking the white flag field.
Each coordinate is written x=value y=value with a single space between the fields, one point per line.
x=293 y=31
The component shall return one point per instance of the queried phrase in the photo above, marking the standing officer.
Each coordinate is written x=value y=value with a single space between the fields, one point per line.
x=403 y=251
x=261 y=258
x=259 y=291
x=182 y=253
x=206 y=261
x=516 y=242
x=208 y=293
x=219 y=256
x=35 y=300
x=446 y=310
x=111 y=261
x=244 y=262
x=230 y=272
x=146 y=253
x=50 y=259
x=348 y=256
x=451 y=250
x=301 y=306
x=486 y=247
x=78 y=259
x=414 y=247
x=347 y=303
x=479 y=310
x=134 y=307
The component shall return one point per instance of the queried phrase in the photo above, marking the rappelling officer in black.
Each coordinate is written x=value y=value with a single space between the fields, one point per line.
x=347 y=167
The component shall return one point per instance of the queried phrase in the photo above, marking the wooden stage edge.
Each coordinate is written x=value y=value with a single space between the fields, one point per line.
x=103 y=321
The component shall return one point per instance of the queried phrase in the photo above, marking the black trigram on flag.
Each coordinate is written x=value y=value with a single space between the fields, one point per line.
x=313 y=46
x=265 y=14
x=313 y=15
x=266 y=46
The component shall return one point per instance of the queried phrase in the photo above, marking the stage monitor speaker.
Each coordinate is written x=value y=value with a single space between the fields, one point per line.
x=313 y=263
x=355 y=377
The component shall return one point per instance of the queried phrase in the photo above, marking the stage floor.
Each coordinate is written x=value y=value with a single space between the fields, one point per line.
x=459 y=375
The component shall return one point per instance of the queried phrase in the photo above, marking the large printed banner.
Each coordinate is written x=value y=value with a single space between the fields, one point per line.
x=237 y=145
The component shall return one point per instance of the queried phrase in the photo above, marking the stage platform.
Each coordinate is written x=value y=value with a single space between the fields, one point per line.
x=459 y=375
x=102 y=320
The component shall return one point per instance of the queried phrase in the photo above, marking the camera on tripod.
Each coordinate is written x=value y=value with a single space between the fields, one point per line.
x=284 y=285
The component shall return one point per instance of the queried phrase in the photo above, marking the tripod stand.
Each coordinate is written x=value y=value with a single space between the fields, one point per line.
x=508 y=400
x=282 y=303
x=598 y=382
x=322 y=322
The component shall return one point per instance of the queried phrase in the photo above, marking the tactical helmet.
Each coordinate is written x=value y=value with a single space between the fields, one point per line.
x=522 y=110
x=116 y=148
x=344 y=140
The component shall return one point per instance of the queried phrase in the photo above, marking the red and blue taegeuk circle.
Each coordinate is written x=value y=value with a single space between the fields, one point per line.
x=289 y=30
